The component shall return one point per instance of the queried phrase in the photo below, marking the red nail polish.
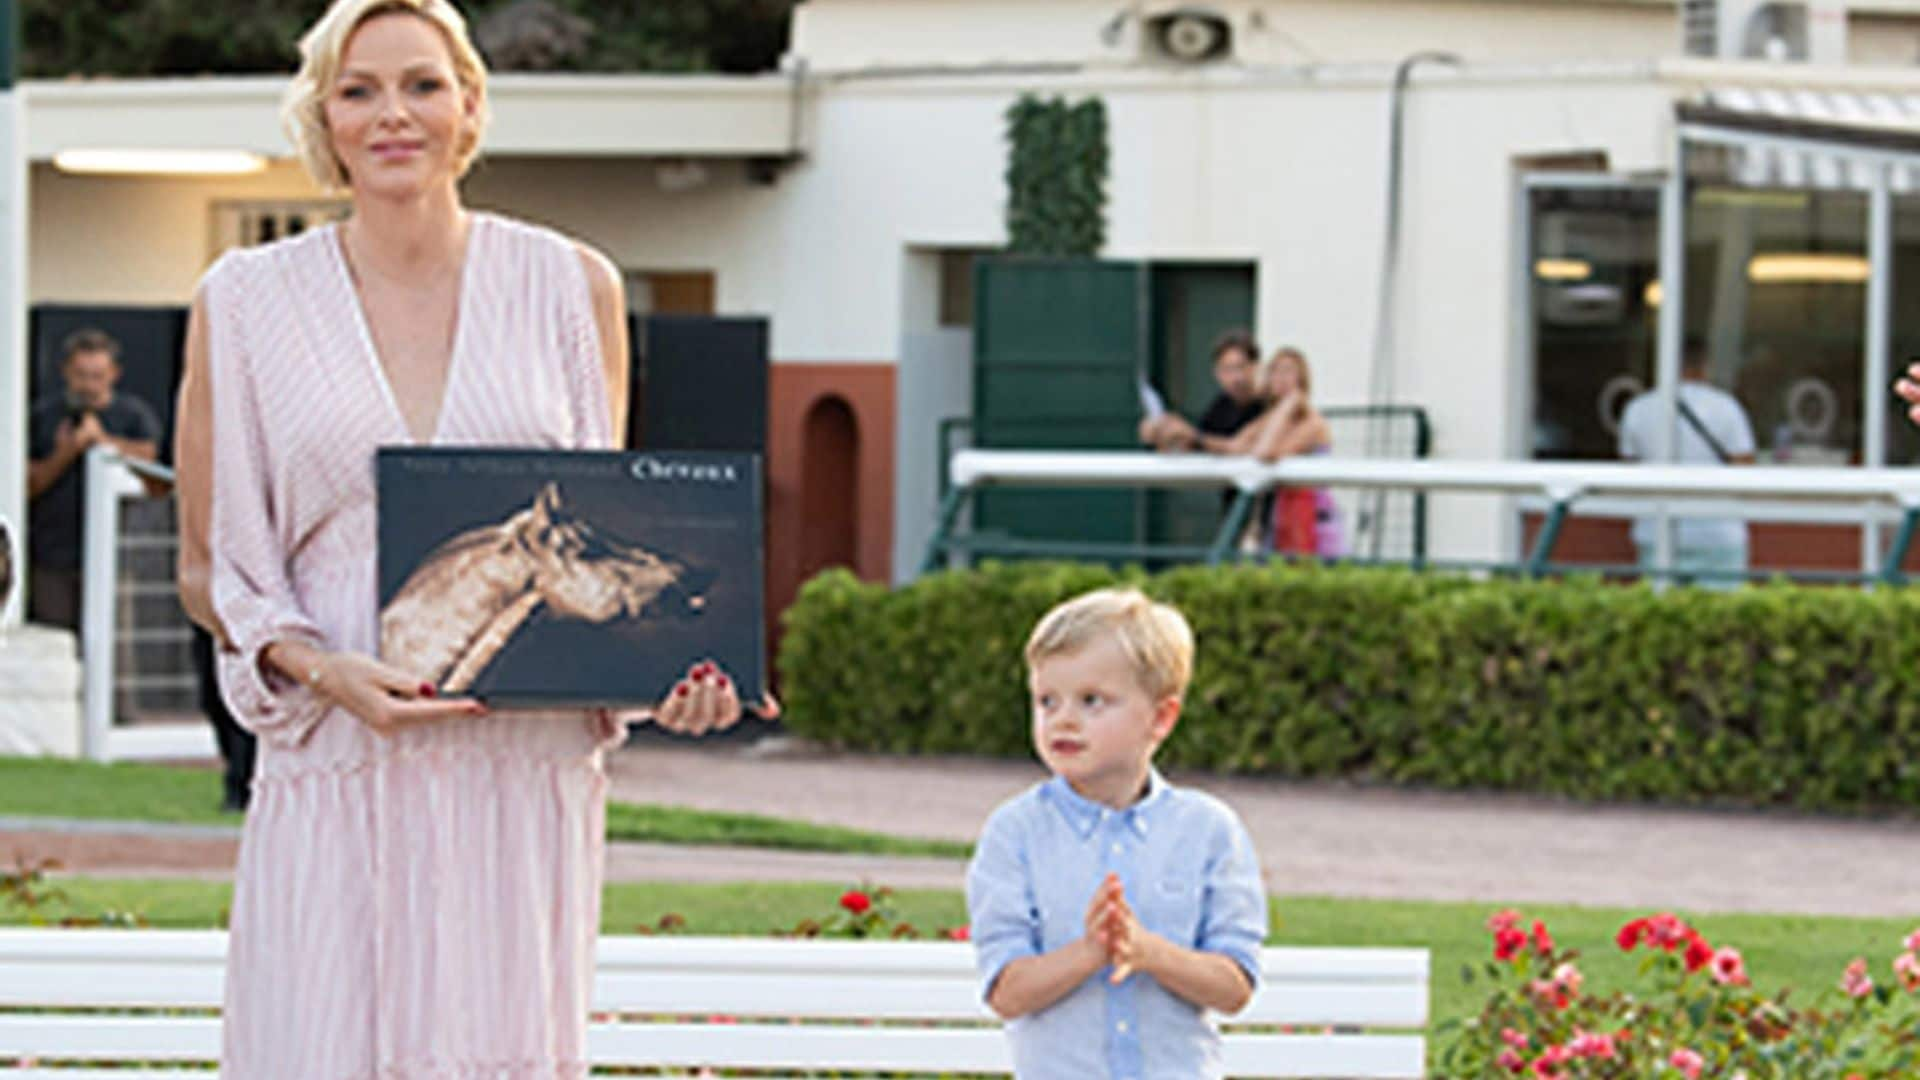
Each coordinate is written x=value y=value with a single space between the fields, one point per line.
x=683 y=689
x=427 y=690
x=721 y=682
x=704 y=668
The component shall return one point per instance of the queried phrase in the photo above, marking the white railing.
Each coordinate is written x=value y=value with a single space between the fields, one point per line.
x=1760 y=491
x=110 y=479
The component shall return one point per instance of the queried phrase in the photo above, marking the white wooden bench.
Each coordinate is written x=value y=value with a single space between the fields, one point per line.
x=75 y=1004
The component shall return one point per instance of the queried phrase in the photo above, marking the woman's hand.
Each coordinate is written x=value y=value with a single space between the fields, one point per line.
x=1909 y=390
x=383 y=697
x=704 y=700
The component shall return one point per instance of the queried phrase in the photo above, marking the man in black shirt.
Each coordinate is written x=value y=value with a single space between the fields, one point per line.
x=1236 y=364
x=63 y=426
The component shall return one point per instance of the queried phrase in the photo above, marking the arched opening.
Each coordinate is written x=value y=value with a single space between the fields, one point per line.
x=829 y=486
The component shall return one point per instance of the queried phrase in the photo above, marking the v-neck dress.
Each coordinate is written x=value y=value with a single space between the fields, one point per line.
x=424 y=905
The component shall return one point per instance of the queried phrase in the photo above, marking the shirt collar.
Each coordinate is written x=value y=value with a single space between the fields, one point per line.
x=1083 y=815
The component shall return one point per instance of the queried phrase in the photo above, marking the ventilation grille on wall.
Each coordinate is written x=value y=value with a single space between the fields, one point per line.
x=1700 y=27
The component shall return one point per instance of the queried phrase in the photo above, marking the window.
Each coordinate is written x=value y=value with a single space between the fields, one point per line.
x=1776 y=288
x=244 y=224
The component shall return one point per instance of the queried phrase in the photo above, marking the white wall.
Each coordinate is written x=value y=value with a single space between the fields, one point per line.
x=844 y=35
x=119 y=240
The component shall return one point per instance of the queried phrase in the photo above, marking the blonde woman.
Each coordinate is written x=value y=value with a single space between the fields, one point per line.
x=1301 y=521
x=419 y=880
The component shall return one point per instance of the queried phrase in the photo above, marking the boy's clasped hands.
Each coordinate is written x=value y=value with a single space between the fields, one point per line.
x=1114 y=930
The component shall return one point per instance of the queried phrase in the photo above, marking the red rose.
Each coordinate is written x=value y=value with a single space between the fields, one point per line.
x=959 y=933
x=1629 y=937
x=1507 y=943
x=1699 y=953
x=1542 y=941
x=856 y=901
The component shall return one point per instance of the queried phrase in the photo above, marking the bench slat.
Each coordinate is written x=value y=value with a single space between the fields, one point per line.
x=777 y=1046
x=1348 y=1057
x=105 y=968
x=109 y=1074
x=119 y=1038
x=888 y=997
x=1351 y=1057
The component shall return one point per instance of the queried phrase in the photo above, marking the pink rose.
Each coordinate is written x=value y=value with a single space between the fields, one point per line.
x=1906 y=967
x=1728 y=967
x=1913 y=942
x=1668 y=932
x=1504 y=919
x=1510 y=1060
x=1568 y=978
x=1855 y=982
x=1588 y=1044
x=1688 y=1062
x=1515 y=1039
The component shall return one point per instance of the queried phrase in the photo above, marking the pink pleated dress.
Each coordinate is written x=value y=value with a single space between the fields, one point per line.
x=420 y=907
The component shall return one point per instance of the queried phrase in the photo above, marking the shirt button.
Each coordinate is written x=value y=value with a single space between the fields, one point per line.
x=1118 y=847
x=1121 y=1027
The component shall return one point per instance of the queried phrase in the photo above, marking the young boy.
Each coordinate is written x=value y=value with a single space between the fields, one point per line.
x=1109 y=909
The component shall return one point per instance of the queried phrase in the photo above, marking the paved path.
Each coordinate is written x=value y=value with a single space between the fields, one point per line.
x=1331 y=840
x=1314 y=839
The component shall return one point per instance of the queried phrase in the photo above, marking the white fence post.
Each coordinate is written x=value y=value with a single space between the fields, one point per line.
x=99 y=585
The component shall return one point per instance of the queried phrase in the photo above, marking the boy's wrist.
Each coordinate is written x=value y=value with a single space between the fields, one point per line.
x=1151 y=954
x=1090 y=954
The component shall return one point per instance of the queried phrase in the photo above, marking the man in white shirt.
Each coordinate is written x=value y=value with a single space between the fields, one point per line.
x=1713 y=430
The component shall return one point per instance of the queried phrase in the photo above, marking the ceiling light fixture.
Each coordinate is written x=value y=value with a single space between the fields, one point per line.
x=122 y=162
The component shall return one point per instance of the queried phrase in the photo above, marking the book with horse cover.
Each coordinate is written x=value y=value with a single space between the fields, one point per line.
x=562 y=578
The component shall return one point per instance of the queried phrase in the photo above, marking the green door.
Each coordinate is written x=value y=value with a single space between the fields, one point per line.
x=1059 y=349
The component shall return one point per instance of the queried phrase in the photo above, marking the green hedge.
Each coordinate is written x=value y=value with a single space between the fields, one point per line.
x=1771 y=695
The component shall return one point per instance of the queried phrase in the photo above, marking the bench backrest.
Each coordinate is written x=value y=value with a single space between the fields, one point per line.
x=1322 y=1013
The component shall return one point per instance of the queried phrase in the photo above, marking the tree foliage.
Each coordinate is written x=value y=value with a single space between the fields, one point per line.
x=141 y=38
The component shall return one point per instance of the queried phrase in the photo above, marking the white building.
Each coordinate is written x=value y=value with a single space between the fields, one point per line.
x=845 y=197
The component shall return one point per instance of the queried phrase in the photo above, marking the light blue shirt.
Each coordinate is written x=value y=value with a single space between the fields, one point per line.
x=1191 y=876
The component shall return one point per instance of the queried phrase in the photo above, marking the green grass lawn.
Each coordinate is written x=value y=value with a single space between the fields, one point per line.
x=46 y=787
x=1803 y=952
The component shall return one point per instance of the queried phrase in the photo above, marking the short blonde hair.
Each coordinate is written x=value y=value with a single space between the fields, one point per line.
x=1155 y=637
x=303 y=113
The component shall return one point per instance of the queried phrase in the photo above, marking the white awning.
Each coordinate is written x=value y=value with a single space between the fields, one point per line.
x=726 y=116
x=1798 y=137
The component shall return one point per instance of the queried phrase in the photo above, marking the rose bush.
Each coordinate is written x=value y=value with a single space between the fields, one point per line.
x=1693 y=1014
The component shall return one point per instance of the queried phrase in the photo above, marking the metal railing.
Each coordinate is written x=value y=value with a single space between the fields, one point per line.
x=1754 y=492
x=110 y=479
x=1396 y=432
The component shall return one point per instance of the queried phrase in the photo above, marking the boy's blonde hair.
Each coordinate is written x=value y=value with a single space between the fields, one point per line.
x=303 y=113
x=1155 y=637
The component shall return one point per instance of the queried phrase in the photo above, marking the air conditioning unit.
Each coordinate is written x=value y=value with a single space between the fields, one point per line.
x=1187 y=34
x=1807 y=31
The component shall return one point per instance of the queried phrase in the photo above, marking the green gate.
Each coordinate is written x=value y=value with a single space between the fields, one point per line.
x=1059 y=349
